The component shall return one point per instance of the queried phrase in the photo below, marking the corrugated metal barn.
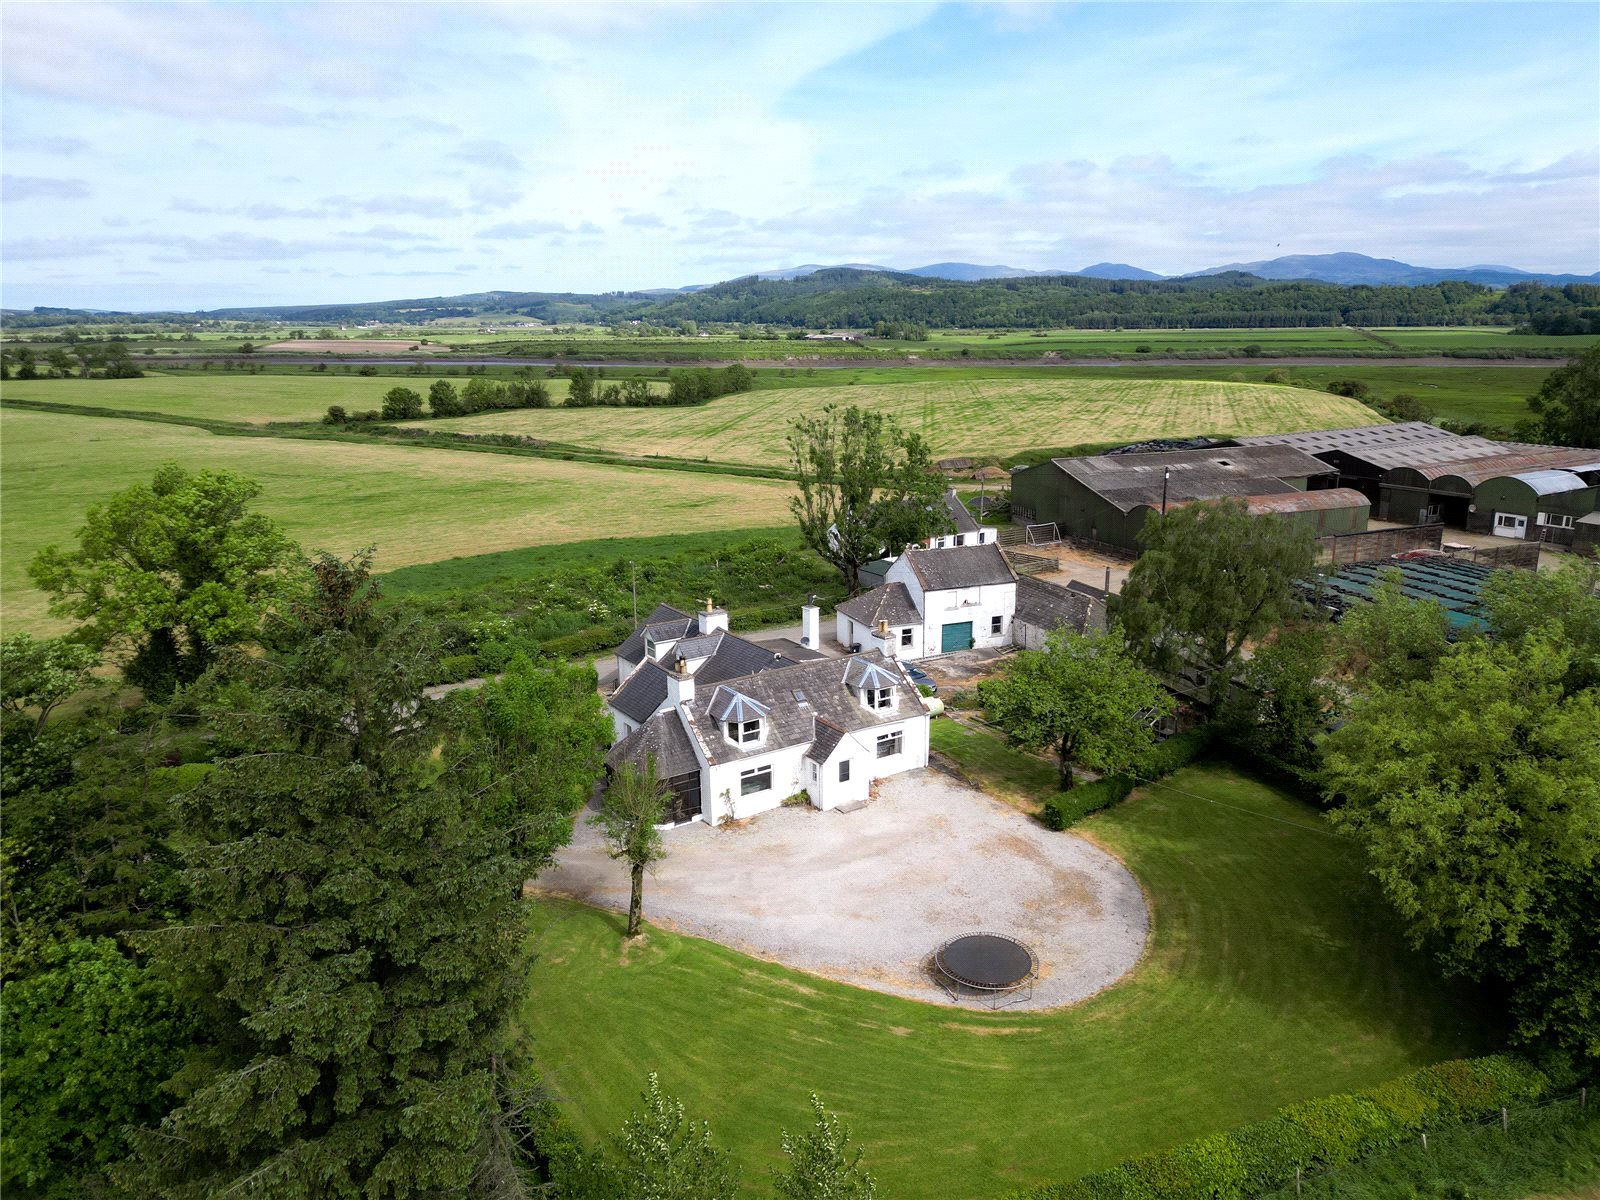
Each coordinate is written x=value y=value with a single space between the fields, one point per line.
x=1107 y=498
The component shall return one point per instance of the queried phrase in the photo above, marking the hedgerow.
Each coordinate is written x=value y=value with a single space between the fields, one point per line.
x=1067 y=808
x=1315 y=1134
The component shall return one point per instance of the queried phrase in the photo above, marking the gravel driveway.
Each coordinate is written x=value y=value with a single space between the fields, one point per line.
x=865 y=897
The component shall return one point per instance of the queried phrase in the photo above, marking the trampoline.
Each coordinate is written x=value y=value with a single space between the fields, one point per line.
x=988 y=966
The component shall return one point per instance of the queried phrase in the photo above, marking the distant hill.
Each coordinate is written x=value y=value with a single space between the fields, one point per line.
x=1349 y=268
x=1110 y=270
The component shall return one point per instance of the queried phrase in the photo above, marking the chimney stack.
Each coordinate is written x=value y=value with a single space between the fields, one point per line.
x=712 y=619
x=810 y=623
x=680 y=684
x=883 y=636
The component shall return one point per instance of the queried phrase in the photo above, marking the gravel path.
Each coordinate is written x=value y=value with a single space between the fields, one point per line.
x=865 y=897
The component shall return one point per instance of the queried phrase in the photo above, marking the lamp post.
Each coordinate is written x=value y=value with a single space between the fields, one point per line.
x=1166 y=474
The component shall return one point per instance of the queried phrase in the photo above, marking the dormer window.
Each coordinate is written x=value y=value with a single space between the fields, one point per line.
x=877 y=698
x=743 y=733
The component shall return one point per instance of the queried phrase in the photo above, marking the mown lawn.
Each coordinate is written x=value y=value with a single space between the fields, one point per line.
x=414 y=504
x=1273 y=974
x=954 y=412
x=1003 y=770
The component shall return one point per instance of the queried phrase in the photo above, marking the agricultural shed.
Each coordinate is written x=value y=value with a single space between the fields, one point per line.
x=1417 y=473
x=1454 y=583
x=1106 y=498
x=1043 y=607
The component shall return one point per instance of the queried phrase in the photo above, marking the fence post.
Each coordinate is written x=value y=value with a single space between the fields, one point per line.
x=1505 y=1120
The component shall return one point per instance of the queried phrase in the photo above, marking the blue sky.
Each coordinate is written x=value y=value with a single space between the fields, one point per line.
x=203 y=155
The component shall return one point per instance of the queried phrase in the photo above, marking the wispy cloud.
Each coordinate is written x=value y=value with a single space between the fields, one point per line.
x=35 y=187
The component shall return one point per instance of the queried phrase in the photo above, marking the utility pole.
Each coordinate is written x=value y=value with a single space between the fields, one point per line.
x=1166 y=474
x=635 y=567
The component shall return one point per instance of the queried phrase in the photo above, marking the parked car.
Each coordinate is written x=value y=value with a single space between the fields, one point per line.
x=921 y=678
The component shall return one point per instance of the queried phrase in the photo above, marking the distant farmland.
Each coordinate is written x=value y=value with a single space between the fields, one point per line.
x=957 y=416
x=236 y=396
x=416 y=505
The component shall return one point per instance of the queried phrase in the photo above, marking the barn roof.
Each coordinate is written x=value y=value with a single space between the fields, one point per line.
x=1129 y=480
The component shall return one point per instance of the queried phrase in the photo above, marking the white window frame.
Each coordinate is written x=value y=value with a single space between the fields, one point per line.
x=1556 y=520
x=754 y=776
x=877 y=699
x=742 y=735
x=905 y=635
x=997 y=625
x=891 y=744
x=1505 y=520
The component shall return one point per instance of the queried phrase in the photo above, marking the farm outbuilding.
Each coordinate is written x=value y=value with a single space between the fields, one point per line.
x=1416 y=473
x=1107 y=498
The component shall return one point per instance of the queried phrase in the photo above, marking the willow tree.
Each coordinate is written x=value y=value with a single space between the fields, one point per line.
x=867 y=488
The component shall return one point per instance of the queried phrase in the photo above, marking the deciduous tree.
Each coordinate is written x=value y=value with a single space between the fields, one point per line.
x=1081 y=697
x=867 y=488
x=442 y=399
x=1568 y=402
x=1393 y=639
x=1476 y=793
x=662 y=1155
x=1287 y=702
x=1211 y=577
x=88 y=1041
x=37 y=675
x=819 y=1163
x=634 y=802
x=171 y=570
x=401 y=404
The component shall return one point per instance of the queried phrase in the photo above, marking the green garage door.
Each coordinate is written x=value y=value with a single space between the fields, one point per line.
x=956 y=637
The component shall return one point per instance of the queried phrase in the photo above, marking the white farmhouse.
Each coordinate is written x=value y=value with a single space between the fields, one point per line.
x=934 y=601
x=733 y=747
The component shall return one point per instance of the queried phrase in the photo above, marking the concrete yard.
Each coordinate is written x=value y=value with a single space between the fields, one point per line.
x=865 y=897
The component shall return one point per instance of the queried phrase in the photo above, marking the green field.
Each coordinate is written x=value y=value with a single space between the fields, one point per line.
x=232 y=395
x=997 y=417
x=415 y=504
x=1274 y=973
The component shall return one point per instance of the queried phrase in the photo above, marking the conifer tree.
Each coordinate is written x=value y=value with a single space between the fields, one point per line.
x=357 y=927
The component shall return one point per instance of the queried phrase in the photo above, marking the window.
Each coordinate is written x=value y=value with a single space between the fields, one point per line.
x=1508 y=520
x=878 y=697
x=1556 y=520
x=961 y=539
x=757 y=780
x=744 y=734
x=844 y=770
x=905 y=637
x=997 y=625
x=889 y=745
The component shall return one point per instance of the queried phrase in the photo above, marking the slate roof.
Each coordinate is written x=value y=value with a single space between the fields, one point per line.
x=1045 y=605
x=1128 y=480
x=963 y=519
x=826 y=741
x=959 y=567
x=730 y=704
x=664 y=622
x=664 y=736
x=641 y=693
x=892 y=603
x=727 y=656
x=800 y=698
